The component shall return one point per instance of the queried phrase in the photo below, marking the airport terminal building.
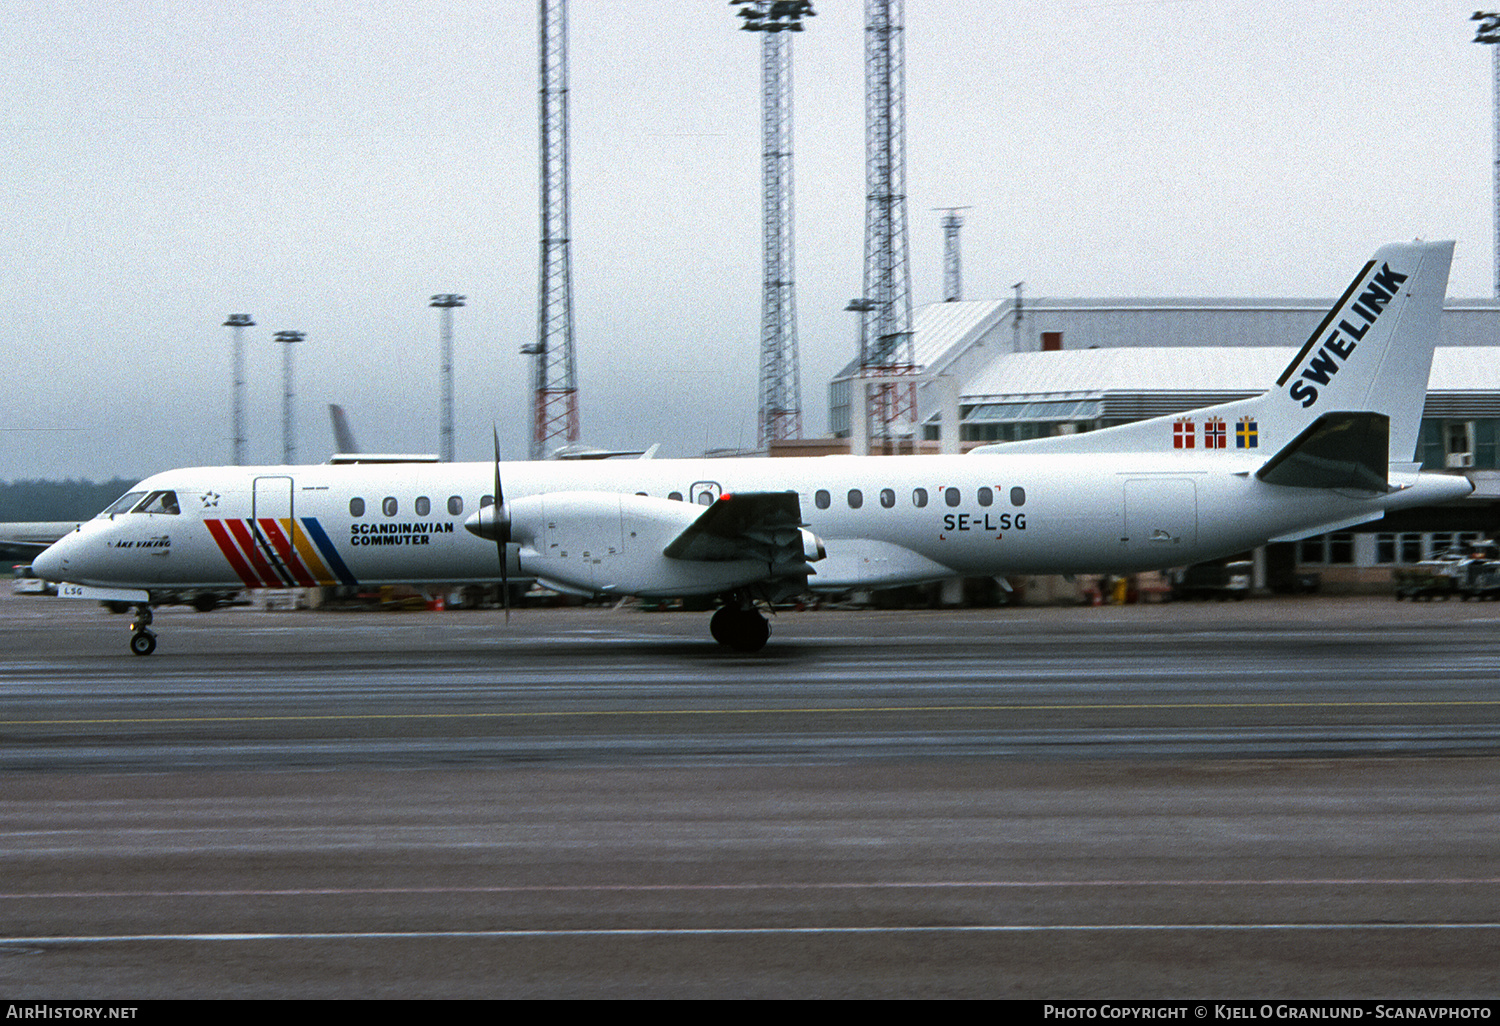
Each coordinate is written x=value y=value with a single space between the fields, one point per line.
x=1065 y=366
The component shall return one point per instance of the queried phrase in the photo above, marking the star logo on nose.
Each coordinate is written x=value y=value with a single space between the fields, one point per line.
x=210 y=500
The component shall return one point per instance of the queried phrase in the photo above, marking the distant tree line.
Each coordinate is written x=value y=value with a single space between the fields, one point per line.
x=59 y=500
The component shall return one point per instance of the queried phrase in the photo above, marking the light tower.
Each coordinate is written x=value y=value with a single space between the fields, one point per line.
x=1015 y=324
x=288 y=428
x=239 y=322
x=1488 y=32
x=445 y=303
x=953 y=278
x=780 y=383
x=888 y=353
x=554 y=372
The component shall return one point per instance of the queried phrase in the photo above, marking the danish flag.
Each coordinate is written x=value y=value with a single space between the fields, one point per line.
x=1184 y=435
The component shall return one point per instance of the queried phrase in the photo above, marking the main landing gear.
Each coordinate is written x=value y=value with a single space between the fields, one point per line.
x=740 y=627
x=142 y=638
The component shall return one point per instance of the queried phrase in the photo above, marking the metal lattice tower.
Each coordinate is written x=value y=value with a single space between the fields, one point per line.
x=953 y=276
x=1488 y=31
x=288 y=426
x=887 y=328
x=780 y=382
x=445 y=303
x=239 y=322
x=554 y=371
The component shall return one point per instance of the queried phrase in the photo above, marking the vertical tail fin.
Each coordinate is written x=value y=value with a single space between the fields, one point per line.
x=1373 y=352
x=343 y=434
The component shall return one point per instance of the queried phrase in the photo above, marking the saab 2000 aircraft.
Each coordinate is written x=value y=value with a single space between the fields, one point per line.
x=1313 y=454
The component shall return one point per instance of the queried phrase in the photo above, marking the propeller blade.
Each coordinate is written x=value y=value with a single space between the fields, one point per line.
x=502 y=530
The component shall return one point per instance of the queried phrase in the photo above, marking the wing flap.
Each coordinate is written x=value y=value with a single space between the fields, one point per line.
x=765 y=526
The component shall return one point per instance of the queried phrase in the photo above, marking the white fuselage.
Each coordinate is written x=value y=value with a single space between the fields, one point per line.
x=884 y=521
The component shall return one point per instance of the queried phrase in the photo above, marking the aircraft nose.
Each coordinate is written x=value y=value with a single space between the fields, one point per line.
x=52 y=564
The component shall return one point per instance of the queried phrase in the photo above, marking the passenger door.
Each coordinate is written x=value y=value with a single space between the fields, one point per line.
x=704 y=493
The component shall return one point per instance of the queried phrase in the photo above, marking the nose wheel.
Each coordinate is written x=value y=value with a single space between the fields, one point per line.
x=142 y=638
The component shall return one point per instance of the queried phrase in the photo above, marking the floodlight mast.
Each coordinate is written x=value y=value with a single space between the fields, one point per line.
x=953 y=278
x=1020 y=315
x=1488 y=32
x=859 y=399
x=445 y=303
x=238 y=323
x=889 y=353
x=780 y=415
x=554 y=371
x=288 y=427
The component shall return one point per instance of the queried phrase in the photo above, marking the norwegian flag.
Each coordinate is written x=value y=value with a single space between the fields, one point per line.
x=1184 y=434
x=1215 y=435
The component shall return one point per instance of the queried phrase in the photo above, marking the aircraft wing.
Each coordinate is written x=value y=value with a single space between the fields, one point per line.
x=765 y=526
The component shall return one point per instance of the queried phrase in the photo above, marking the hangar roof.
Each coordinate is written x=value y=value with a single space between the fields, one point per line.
x=1149 y=381
x=945 y=333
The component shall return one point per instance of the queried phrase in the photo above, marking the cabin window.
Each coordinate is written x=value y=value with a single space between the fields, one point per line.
x=986 y=496
x=1018 y=496
x=486 y=500
x=888 y=497
x=822 y=499
x=675 y=496
x=124 y=504
x=919 y=497
x=423 y=505
x=389 y=505
x=951 y=496
x=455 y=505
x=160 y=502
x=856 y=498
x=356 y=507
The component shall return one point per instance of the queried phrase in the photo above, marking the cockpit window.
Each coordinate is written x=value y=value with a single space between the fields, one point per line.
x=124 y=504
x=159 y=502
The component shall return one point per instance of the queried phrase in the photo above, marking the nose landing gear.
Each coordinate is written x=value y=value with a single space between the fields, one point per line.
x=142 y=638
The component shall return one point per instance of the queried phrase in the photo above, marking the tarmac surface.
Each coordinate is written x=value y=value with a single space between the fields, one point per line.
x=1279 y=798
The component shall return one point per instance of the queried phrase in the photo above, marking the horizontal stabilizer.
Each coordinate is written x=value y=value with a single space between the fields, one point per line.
x=1338 y=450
x=1329 y=527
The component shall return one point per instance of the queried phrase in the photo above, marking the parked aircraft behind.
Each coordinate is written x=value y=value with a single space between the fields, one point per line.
x=24 y=539
x=1313 y=454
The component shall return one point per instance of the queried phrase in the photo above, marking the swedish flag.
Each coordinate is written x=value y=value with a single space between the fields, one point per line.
x=1246 y=434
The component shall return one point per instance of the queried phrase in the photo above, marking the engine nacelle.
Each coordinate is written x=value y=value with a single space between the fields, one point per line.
x=812 y=546
x=612 y=544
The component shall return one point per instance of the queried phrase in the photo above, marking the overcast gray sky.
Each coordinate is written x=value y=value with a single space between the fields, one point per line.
x=327 y=166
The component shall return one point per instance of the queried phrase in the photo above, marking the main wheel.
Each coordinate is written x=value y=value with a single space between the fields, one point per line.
x=720 y=624
x=743 y=630
x=753 y=634
x=142 y=643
